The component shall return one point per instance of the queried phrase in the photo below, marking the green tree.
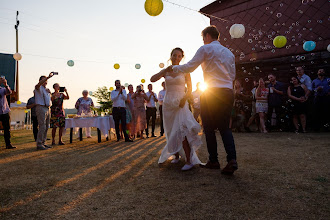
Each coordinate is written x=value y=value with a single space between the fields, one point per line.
x=102 y=94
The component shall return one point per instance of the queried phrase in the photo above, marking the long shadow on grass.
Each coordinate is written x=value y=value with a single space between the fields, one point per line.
x=125 y=170
x=82 y=173
x=33 y=153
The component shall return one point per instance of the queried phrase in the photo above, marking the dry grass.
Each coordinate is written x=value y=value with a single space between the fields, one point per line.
x=280 y=176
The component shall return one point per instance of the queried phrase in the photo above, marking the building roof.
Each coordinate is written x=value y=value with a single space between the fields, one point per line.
x=264 y=20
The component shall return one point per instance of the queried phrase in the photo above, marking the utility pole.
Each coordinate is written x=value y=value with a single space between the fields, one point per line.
x=16 y=28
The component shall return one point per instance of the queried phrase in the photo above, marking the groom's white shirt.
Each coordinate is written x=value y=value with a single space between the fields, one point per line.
x=218 y=64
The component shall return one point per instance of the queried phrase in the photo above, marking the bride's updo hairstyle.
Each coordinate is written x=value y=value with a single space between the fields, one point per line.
x=177 y=48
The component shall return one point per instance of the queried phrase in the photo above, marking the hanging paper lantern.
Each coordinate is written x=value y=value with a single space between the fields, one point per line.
x=90 y=93
x=237 y=30
x=153 y=7
x=137 y=66
x=116 y=66
x=309 y=45
x=26 y=111
x=143 y=80
x=126 y=84
x=161 y=65
x=70 y=63
x=17 y=56
x=111 y=88
x=19 y=102
x=279 y=41
x=328 y=48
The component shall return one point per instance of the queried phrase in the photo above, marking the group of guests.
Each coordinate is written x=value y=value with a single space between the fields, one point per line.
x=47 y=111
x=266 y=103
x=132 y=111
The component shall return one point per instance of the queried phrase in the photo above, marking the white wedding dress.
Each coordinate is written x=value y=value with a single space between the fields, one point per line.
x=178 y=122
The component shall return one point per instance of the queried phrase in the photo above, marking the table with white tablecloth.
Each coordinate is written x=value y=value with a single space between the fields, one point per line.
x=103 y=124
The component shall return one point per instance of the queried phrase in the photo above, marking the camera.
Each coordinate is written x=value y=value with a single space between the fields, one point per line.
x=55 y=73
x=62 y=89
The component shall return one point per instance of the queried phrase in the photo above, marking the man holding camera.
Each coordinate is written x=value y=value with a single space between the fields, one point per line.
x=43 y=102
x=118 y=98
x=151 y=110
x=4 y=111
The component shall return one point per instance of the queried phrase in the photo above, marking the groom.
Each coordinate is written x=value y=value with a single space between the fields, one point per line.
x=218 y=65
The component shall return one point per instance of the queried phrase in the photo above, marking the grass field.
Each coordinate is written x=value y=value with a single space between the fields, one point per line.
x=280 y=176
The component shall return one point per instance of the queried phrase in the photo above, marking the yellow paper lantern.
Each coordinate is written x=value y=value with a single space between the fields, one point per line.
x=153 y=7
x=111 y=88
x=26 y=111
x=143 y=80
x=279 y=41
x=116 y=66
x=17 y=56
x=161 y=65
x=19 y=102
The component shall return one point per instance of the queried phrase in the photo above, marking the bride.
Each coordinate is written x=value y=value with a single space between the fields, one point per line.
x=181 y=129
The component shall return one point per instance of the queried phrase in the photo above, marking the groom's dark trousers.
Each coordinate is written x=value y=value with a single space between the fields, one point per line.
x=216 y=107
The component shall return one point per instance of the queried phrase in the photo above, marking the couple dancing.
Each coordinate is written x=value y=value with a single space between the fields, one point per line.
x=181 y=129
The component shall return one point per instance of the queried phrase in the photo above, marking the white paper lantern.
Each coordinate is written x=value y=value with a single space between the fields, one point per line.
x=17 y=56
x=237 y=31
x=328 y=47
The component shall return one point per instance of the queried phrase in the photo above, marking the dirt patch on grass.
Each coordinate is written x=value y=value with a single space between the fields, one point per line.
x=280 y=176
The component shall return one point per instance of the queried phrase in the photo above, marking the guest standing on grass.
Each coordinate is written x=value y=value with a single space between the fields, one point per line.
x=139 y=112
x=118 y=98
x=151 y=111
x=196 y=102
x=297 y=92
x=43 y=102
x=218 y=65
x=161 y=96
x=57 y=119
x=4 y=112
x=84 y=105
x=321 y=89
x=262 y=104
x=254 y=113
x=130 y=103
x=275 y=98
x=32 y=105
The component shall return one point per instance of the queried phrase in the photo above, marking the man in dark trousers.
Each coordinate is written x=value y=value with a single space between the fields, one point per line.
x=4 y=112
x=31 y=104
x=151 y=111
x=218 y=65
x=118 y=98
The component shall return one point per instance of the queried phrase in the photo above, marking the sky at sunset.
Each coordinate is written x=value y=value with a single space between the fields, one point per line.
x=96 y=35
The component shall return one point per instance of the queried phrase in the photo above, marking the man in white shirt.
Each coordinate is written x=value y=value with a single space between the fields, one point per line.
x=161 y=96
x=196 y=95
x=304 y=79
x=151 y=111
x=43 y=102
x=218 y=65
x=118 y=98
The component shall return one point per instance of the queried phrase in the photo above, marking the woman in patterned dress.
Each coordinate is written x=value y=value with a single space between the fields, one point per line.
x=83 y=105
x=139 y=112
x=262 y=104
x=57 y=119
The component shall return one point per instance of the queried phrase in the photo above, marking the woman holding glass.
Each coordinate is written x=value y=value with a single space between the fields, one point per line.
x=83 y=105
x=57 y=119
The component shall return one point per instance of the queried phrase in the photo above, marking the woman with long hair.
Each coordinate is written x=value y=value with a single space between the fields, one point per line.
x=262 y=104
x=181 y=128
x=297 y=92
x=57 y=119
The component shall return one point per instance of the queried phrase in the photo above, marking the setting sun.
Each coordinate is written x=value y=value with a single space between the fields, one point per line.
x=203 y=86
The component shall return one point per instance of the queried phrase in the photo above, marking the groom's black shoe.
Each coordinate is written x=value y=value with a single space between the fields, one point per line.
x=211 y=165
x=230 y=168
